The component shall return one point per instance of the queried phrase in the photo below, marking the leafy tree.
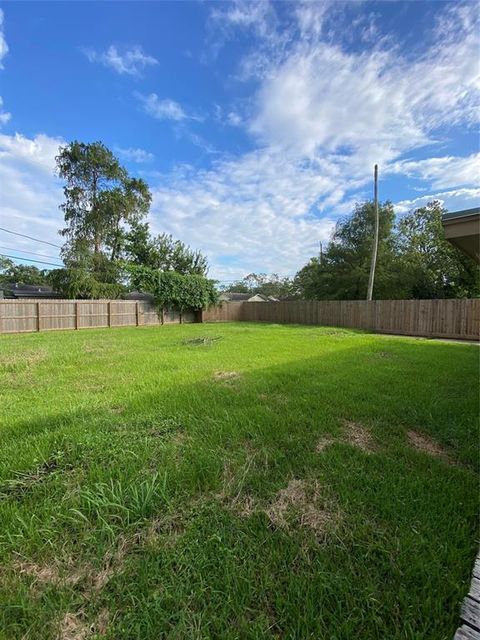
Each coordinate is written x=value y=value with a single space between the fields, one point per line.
x=76 y=282
x=101 y=202
x=343 y=272
x=269 y=285
x=21 y=273
x=431 y=267
x=163 y=252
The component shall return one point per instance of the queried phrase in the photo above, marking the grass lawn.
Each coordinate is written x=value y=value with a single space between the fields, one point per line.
x=236 y=481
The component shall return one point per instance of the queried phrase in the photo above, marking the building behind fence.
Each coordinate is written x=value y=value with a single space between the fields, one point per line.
x=459 y=319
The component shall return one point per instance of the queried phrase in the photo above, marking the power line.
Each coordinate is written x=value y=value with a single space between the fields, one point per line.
x=32 y=253
x=15 y=233
x=53 y=264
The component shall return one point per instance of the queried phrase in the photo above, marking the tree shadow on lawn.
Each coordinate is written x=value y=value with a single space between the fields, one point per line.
x=404 y=549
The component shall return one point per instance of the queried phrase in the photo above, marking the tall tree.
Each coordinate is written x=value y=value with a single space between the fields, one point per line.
x=101 y=201
x=343 y=272
x=431 y=267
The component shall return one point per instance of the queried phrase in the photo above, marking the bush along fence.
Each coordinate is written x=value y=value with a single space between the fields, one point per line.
x=455 y=319
x=18 y=316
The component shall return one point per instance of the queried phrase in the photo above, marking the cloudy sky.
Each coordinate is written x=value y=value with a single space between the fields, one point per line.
x=256 y=124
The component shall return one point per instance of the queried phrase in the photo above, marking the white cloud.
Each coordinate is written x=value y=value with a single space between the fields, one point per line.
x=322 y=98
x=452 y=200
x=442 y=172
x=4 y=115
x=3 y=42
x=161 y=109
x=251 y=214
x=134 y=155
x=256 y=15
x=129 y=61
x=234 y=119
x=31 y=194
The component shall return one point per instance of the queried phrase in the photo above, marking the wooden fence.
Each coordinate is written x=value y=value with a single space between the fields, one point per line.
x=19 y=316
x=458 y=319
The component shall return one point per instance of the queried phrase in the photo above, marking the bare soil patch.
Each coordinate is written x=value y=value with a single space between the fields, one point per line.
x=427 y=445
x=301 y=503
x=74 y=626
x=202 y=341
x=15 y=361
x=226 y=376
x=358 y=436
x=323 y=443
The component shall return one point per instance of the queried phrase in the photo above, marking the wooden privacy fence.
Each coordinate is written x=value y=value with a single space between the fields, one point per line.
x=459 y=319
x=19 y=316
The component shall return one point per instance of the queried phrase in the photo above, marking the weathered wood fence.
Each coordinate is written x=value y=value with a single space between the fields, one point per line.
x=459 y=319
x=19 y=316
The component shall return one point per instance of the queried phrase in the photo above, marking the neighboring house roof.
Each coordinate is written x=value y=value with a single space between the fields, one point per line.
x=462 y=229
x=139 y=295
x=234 y=297
x=246 y=297
x=16 y=290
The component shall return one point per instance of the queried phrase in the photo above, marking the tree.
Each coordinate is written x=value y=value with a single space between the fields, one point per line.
x=21 y=273
x=343 y=272
x=101 y=203
x=163 y=252
x=431 y=267
x=269 y=285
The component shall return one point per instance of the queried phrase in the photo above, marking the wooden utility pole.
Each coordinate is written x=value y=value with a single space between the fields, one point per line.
x=373 y=264
x=321 y=253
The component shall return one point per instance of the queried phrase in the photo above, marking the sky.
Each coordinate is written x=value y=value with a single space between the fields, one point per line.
x=255 y=124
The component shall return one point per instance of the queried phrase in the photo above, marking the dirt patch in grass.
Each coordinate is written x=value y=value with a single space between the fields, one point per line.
x=299 y=503
x=74 y=626
x=227 y=377
x=427 y=445
x=354 y=434
x=323 y=443
x=383 y=355
x=202 y=341
x=358 y=436
x=16 y=361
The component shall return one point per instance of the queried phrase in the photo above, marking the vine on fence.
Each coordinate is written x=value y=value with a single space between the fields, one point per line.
x=172 y=290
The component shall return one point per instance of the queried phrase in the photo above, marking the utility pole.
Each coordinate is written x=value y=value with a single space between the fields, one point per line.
x=321 y=253
x=371 y=278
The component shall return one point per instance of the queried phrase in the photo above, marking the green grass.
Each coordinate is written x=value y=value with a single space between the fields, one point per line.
x=143 y=478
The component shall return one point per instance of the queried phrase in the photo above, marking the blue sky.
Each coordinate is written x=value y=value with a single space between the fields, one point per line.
x=256 y=124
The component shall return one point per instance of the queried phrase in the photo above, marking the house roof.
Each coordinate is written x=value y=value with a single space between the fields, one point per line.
x=462 y=229
x=139 y=295
x=16 y=290
x=451 y=215
x=235 y=297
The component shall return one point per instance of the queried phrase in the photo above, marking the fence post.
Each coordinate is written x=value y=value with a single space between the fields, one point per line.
x=38 y=316
x=109 y=310
x=136 y=314
x=77 y=315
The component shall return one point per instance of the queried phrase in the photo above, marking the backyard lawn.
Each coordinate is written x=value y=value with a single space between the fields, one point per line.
x=236 y=481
